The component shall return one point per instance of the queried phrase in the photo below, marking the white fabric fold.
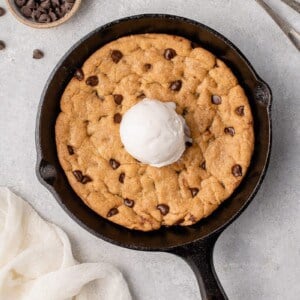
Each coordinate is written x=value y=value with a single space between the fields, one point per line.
x=36 y=260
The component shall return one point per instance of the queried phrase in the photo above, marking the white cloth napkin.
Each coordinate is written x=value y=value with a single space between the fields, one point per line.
x=36 y=260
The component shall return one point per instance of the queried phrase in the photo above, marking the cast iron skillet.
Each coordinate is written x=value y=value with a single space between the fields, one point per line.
x=194 y=243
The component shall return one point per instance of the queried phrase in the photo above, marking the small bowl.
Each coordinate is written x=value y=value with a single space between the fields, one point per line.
x=14 y=9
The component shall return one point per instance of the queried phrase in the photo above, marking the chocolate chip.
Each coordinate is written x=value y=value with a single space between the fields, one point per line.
x=229 y=130
x=147 y=67
x=68 y=6
x=2 y=11
x=44 y=18
x=240 y=110
x=117 y=118
x=92 y=81
x=114 y=163
x=20 y=2
x=78 y=175
x=70 y=149
x=169 y=53
x=37 y=54
x=237 y=171
x=55 y=3
x=53 y=16
x=216 y=99
x=59 y=12
x=112 y=212
x=122 y=177
x=116 y=56
x=45 y=4
x=194 y=191
x=118 y=99
x=31 y=4
x=128 y=202
x=2 y=45
x=86 y=179
x=203 y=165
x=163 y=208
x=175 y=85
x=188 y=144
x=26 y=11
x=35 y=15
x=79 y=74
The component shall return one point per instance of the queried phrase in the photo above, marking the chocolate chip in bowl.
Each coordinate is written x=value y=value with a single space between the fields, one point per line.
x=43 y=13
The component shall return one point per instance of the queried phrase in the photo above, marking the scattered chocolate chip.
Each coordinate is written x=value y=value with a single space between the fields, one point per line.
x=2 y=45
x=185 y=111
x=79 y=74
x=240 y=111
x=114 y=163
x=92 y=81
x=37 y=54
x=128 y=202
x=2 y=11
x=203 y=165
x=118 y=99
x=216 y=99
x=169 y=53
x=122 y=177
x=163 y=208
x=141 y=96
x=112 y=212
x=117 y=118
x=179 y=222
x=194 y=191
x=86 y=179
x=26 y=11
x=147 y=67
x=237 y=171
x=188 y=144
x=116 y=56
x=78 y=175
x=175 y=85
x=229 y=130
x=70 y=149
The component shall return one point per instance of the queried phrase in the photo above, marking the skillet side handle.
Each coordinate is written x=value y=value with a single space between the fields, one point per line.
x=200 y=258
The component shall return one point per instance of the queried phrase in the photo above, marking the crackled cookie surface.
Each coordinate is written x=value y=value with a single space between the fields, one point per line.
x=207 y=95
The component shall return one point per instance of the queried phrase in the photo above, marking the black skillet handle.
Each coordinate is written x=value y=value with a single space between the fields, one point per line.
x=200 y=258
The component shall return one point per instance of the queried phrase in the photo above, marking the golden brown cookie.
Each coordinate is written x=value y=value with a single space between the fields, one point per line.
x=166 y=68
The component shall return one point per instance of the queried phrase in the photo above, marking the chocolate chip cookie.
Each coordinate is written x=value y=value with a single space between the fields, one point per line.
x=207 y=95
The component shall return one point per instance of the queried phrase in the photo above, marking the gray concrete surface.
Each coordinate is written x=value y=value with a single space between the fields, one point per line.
x=257 y=257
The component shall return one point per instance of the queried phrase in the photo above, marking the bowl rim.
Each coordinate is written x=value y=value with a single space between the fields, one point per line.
x=53 y=191
x=12 y=7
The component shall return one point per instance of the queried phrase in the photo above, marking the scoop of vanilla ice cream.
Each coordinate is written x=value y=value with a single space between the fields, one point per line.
x=154 y=133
